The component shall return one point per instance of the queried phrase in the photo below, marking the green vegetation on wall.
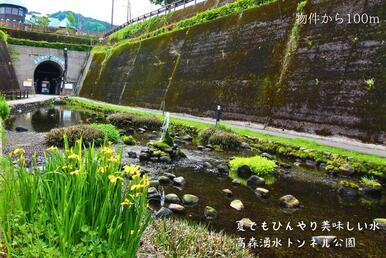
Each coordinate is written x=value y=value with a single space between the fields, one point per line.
x=35 y=43
x=45 y=44
x=202 y=17
x=51 y=37
x=139 y=28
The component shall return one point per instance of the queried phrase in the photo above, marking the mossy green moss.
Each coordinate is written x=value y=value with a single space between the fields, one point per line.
x=259 y=165
x=129 y=140
x=163 y=146
x=348 y=184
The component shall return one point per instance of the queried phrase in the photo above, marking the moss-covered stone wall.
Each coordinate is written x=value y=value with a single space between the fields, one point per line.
x=252 y=64
x=8 y=79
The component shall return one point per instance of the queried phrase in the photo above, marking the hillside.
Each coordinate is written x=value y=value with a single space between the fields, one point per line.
x=84 y=23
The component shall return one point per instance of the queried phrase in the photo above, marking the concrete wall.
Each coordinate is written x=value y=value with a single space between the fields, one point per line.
x=25 y=59
x=255 y=66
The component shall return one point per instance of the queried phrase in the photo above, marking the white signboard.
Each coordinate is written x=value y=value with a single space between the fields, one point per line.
x=27 y=84
x=68 y=86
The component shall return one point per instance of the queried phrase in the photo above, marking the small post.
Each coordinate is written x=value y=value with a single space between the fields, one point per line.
x=64 y=75
x=218 y=114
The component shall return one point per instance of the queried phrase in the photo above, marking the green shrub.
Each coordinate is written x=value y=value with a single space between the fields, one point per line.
x=215 y=136
x=129 y=140
x=3 y=36
x=110 y=131
x=5 y=109
x=80 y=204
x=126 y=120
x=259 y=165
x=370 y=182
x=45 y=44
x=88 y=134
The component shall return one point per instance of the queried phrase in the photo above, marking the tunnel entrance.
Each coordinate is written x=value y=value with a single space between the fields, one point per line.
x=48 y=78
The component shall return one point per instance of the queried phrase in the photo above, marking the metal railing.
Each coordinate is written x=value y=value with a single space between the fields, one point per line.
x=164 y=9
x=15 y=94
x=47 y=29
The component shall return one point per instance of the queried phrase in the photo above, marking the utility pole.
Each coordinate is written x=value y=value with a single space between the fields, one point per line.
x=128 y=10
x=112 y=14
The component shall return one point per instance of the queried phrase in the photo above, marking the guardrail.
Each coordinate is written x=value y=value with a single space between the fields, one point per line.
x=162 y=10
x=15 y=94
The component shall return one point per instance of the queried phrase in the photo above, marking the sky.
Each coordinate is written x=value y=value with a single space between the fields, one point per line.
x=98 y=9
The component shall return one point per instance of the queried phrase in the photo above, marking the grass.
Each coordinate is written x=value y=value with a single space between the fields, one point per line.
x=259 y=165
x=110 y=131
x=81 y=203
x=180 y=238
x=125 y=120
x=89 y=134
x=370 y=182
x=219 y=136
x=297 y=142
x=137 y=28
x=200 y=18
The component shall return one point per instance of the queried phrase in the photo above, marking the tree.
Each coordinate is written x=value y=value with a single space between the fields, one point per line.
x=41 y=20
x=162 y=2
x=71 y=18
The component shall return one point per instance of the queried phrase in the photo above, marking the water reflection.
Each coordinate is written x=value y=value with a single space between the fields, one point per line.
x=45 y=119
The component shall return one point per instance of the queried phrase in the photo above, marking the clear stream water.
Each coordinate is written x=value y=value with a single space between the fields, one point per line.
x=320 y=201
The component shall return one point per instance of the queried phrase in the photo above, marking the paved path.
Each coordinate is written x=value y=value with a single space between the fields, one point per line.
x=32 y=99
x=338 y=142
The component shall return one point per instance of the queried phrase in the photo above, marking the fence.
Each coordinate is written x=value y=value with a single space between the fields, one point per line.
x=165 y=9
x=15 y=94
x=46 y=29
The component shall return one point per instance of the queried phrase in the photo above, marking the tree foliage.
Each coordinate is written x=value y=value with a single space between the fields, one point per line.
x=41 y=20
x=71 y=18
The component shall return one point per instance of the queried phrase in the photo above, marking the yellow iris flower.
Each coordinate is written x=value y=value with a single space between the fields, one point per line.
x=126 y=202
x=52 y=149
x=113 y=179
x=132 y=170
x=75 y=173
x=19 y=152
x=73 y=156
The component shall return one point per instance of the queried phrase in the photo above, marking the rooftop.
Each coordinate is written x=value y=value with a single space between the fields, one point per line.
x=13 y=2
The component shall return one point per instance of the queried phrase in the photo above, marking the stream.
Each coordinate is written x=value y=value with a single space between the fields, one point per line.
x=318 y=198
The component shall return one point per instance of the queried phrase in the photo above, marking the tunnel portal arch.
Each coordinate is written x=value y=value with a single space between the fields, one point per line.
x=48 y=76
